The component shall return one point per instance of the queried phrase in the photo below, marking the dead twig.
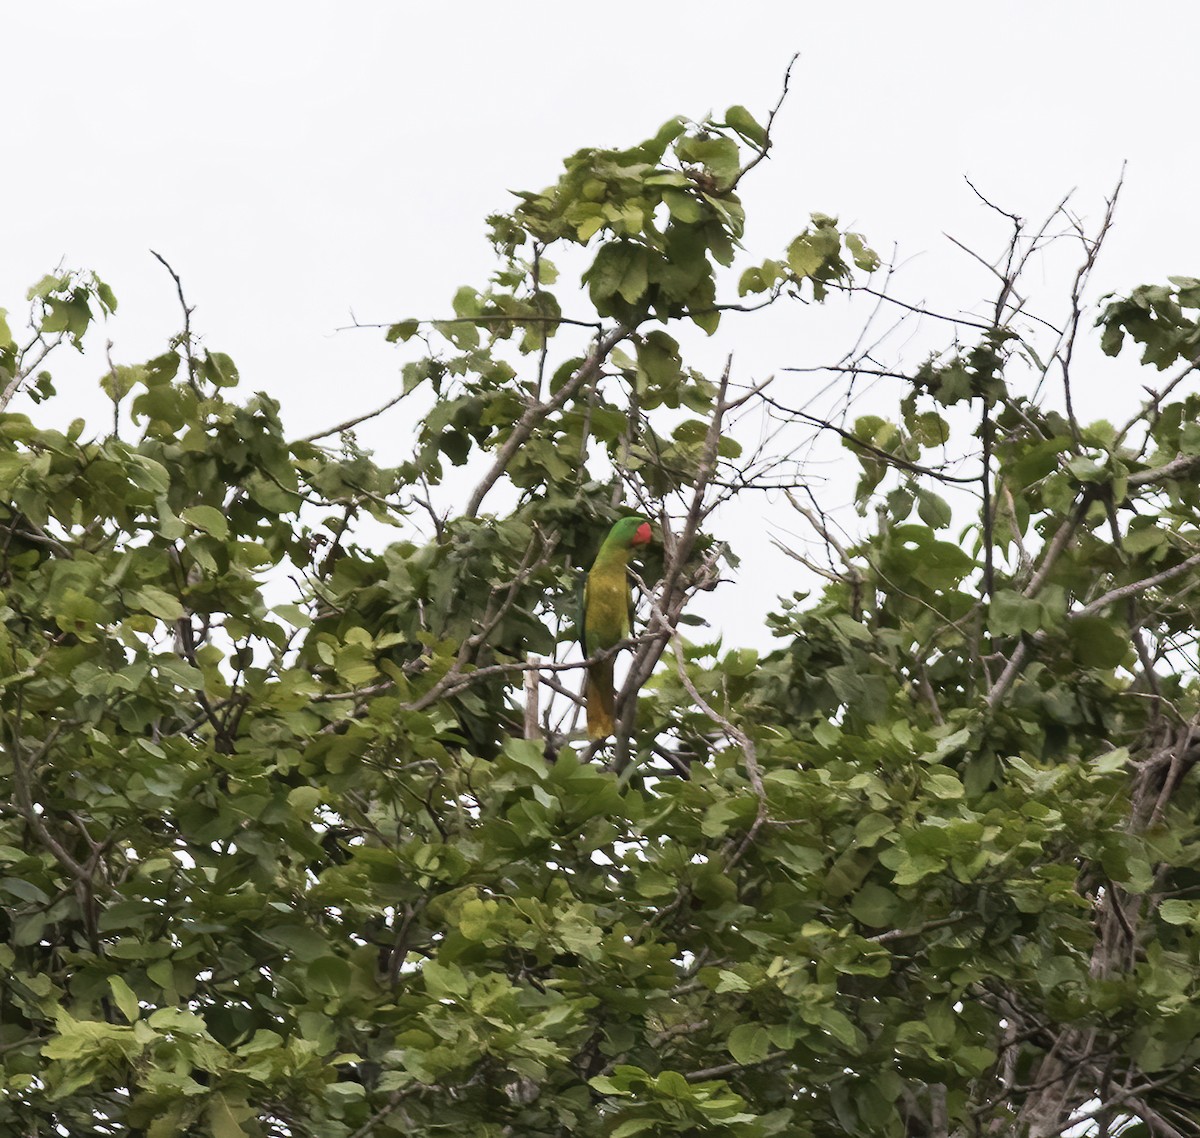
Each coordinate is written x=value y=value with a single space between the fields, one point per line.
x=186 y=337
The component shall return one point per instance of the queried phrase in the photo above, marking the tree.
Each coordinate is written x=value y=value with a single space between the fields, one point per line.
x=302 y=836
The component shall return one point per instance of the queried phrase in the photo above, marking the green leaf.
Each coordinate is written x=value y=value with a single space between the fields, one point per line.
x=685 y=206
x=329 y=975
x=208 y=519
x=863 y=255
x=405 y=330
x=1012 y=613
x=297 y=940
x=620 y=269
x=159 y=603
x=634 y=1126
x=124 y=998
x=1097 y=642
x=839 y=1026
x=106 y=295
x=1180 y=913
x=219 y=369
x=805 y=257
x=719 y=156
x=933 y=510
x=746 y=125
x=749 y=1043
x=222 y=1121
x=875 y=905
x=26 y=890
x=943 y=784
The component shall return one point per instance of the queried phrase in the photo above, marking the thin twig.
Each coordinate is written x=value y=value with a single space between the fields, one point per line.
x=350 y=423
x=765 y=149
x=187 y=321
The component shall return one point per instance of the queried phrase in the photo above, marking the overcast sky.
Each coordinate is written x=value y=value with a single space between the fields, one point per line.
x=298 y=161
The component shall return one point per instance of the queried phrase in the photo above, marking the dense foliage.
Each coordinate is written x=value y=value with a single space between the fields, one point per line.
x=301 y=835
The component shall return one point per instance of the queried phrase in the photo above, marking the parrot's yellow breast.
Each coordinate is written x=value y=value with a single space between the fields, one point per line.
x=606 y=601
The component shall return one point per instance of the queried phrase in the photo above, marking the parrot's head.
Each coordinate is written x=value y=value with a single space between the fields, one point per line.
x=631 y=531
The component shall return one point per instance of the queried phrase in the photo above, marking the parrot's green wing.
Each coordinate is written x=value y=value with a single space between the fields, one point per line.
x=607 y=611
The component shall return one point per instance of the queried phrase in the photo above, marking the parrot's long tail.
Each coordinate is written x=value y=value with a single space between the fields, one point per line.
x=601 y=699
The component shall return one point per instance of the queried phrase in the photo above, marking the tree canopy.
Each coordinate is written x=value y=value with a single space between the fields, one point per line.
x=301 y=831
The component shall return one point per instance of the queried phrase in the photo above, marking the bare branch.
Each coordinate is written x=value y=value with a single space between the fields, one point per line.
x=25 y=366
x=187 y=321
x=536 y=412
x=883 y=455
x=482 y=318
x=766 y=146
x=1135 y=587
x=354 y=422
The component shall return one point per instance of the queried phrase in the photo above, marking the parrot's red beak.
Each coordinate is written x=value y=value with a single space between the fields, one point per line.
x=642 y=535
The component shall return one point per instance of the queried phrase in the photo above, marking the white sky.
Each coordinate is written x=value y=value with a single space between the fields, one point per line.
x=298 y=161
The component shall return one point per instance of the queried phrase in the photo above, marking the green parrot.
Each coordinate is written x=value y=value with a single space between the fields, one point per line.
x=606 y=617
